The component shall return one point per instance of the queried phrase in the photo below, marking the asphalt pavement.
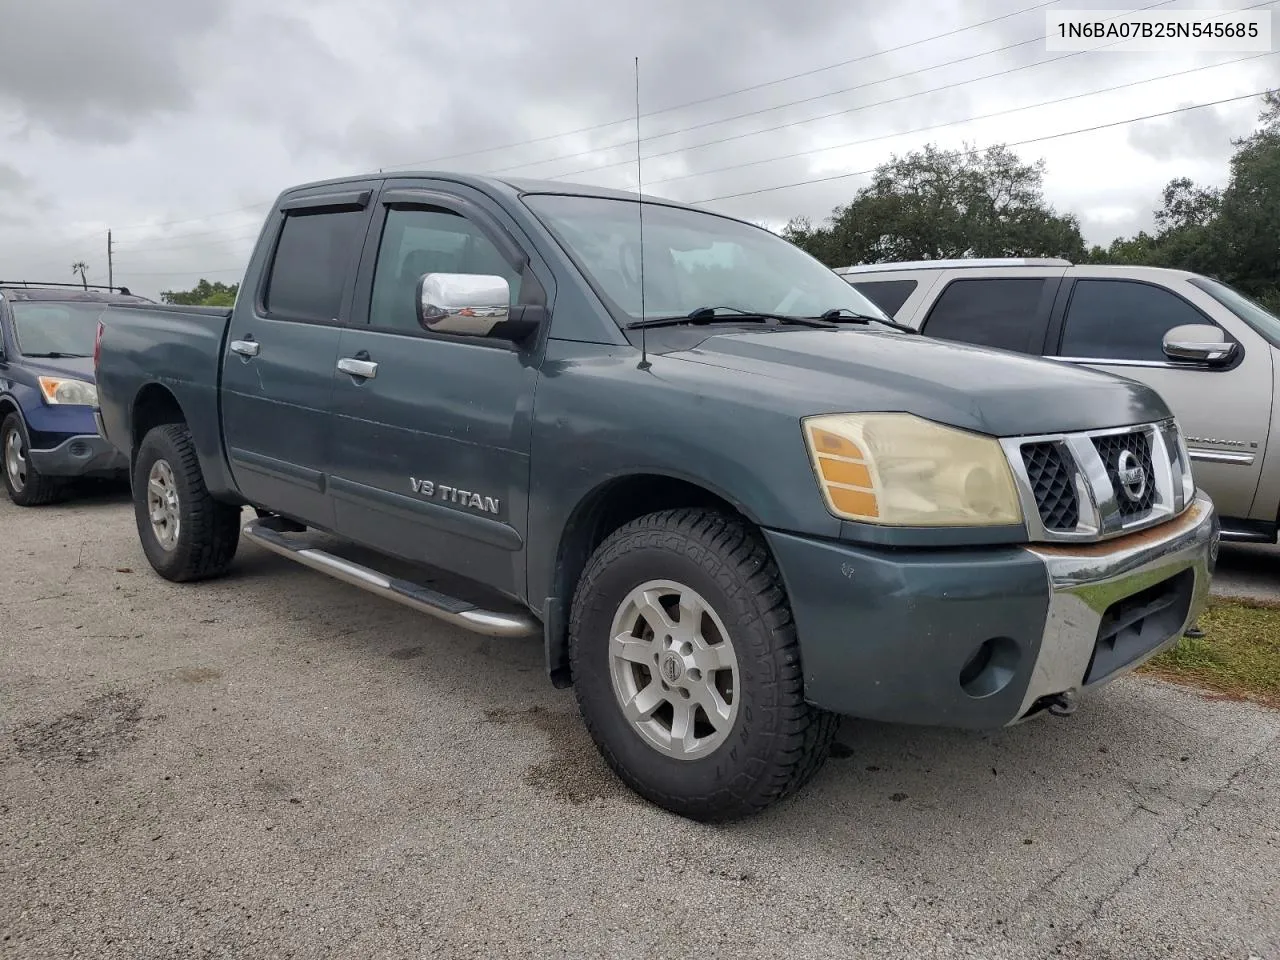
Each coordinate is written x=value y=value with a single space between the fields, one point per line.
x=1248 y=570
x=279 y=765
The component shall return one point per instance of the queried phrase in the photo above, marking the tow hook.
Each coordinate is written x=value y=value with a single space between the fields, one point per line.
x=1063 y=704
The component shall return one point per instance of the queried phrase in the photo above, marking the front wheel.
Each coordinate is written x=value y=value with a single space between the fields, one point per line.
x=26 y=486
x=686 y=667
x=185 y=533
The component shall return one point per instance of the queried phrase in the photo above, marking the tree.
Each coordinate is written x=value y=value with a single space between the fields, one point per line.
x=1231 y=233
x=203 y=294
x=81 y=268
x=1248 y=221
x=935 y=204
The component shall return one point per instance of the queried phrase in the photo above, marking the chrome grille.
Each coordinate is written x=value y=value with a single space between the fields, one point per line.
x=1052 y=484
x=1115 y=449
x=1101 y=483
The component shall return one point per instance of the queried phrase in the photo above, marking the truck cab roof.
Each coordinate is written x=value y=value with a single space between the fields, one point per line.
x=509 y=186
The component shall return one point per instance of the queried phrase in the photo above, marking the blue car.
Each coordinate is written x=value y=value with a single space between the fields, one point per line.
x=48 y=398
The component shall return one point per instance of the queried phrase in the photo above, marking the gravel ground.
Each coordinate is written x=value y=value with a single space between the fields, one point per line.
x=277 y=765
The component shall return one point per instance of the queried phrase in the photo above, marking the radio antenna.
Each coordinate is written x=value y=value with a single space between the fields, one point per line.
x=644 y=352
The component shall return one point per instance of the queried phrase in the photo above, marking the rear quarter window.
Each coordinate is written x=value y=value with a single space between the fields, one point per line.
x=991 y=312
x=888 y=295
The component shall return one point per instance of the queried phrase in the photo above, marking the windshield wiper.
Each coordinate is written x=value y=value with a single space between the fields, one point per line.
x=844 y=313
x=736 y=315
x=55 y=355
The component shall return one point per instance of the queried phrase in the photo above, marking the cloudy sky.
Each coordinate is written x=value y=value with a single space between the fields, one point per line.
x=175 y=123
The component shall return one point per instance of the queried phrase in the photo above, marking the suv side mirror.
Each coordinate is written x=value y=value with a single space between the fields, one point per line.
x=473 y=305
x=1202 y=342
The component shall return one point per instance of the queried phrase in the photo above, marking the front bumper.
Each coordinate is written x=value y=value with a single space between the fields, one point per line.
x=83 y=455
x=983 y=638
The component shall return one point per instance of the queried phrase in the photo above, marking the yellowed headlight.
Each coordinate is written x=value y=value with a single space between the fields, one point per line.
x=901 y=470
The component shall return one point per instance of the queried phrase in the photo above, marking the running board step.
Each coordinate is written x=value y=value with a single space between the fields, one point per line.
x=1239 y=535
x=423 y=599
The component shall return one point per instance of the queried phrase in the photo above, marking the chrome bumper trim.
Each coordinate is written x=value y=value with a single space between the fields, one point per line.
x=1085 y=579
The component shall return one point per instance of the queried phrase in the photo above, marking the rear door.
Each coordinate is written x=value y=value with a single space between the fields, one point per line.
x=278 y=372
x=1118 y=325
x=1006 y=312
x=431 y=450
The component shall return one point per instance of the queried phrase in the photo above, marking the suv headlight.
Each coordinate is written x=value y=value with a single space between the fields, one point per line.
x=902 y=470
x=61 y=390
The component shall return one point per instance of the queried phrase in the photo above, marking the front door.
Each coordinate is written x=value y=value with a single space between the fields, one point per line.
x=278 y=371
x=1119 y=326
x=431 y=441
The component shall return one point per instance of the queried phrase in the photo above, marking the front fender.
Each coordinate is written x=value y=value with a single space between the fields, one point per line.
x=599 y=417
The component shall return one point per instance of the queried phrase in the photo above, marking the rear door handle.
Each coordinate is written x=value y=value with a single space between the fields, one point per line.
x=246 y=348
x=364 y=369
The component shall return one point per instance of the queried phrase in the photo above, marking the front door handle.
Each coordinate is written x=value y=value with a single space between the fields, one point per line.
x=246 y=348
x=365 y=369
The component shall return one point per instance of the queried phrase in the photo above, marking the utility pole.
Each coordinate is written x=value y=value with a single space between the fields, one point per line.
x=111 y=279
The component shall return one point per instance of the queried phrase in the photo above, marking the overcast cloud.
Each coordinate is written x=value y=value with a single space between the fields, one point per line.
x=174 y=124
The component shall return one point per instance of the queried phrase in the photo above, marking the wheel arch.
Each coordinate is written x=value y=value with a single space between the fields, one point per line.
x=605 y=508
x=156 y=404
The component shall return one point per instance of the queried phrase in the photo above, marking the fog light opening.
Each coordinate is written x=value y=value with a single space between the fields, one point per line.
x=990 y=667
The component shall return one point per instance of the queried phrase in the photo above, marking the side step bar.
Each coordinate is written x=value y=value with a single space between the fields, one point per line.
x=420 y=598
x=1239 y=535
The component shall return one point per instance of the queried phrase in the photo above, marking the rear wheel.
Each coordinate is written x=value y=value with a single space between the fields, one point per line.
x=185 y=533
x=686 y=667
x=26 y=486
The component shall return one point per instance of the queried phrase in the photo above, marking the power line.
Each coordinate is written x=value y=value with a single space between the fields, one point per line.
x=855 y=173
x=143 y=244
x=811 y=99
x=184 y=273
x=952 y=123
x=147 y=245
x=866 y=106
x=725 y=95
x=653 y=113
x=838 y=146
x=969 y=153
x=633 y=141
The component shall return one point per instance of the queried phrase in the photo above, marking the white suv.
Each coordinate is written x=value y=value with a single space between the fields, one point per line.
x=1207 y=349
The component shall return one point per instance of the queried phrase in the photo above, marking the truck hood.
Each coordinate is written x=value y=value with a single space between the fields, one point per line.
x=984 y=390
x=78 y=368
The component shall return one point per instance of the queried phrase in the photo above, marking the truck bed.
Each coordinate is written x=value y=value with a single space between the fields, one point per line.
x=170 y=348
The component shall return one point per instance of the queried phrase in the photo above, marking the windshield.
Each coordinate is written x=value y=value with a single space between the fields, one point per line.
x=56 y=329
x=1250 y=311
x=691 y=260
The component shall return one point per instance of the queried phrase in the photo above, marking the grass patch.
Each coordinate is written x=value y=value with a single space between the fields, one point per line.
x=1238 y=657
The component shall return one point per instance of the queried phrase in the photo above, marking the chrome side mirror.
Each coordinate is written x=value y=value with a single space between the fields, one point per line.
x=462 y=303
x=1201 y=342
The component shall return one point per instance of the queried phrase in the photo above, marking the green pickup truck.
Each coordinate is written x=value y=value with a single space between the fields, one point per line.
x=733 y=499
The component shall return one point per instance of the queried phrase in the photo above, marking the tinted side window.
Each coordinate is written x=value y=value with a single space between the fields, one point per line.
x=1122 y=320
x=421 y=241
x=888 y=295
x=313 y=261
x=990 y=313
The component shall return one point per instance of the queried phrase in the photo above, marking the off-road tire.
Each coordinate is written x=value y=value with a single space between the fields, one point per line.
x=37 y=490
x=208 y=530
x=778 y=741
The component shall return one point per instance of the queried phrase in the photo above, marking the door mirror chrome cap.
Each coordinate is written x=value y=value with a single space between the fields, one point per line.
x=462 y=303
x=1202 y=342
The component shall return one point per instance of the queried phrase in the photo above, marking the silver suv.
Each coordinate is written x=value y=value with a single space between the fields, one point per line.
x=1206 y=348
